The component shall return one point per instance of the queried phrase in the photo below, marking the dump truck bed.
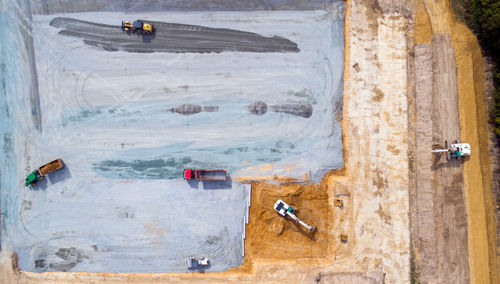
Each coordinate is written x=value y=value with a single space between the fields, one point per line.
x=50 y=167
x=211 y=175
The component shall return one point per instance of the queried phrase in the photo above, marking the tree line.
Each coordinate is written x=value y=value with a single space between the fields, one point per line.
x=483 y=18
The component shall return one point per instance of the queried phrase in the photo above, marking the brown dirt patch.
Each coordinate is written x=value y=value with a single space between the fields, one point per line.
x=423 y=30
x=478 y=178
x=271 y=236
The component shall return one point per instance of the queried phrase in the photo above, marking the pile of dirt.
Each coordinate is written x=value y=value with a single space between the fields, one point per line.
x=271 y=236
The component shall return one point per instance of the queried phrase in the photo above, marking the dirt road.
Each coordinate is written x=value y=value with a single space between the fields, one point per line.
x=450 y=212
x=171 y=37
x=440 y=224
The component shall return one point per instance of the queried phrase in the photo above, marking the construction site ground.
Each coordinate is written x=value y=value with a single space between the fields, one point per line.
x=453 y=208
x=413 y=77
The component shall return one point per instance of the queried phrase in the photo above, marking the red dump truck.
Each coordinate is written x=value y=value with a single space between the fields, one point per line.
x=39 y=173
x=205 y=174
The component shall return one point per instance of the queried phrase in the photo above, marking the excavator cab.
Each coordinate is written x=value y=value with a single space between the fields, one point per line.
x=138 y=25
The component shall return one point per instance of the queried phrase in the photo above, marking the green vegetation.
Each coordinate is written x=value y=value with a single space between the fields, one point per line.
x=483 y=17
x=414 y=273
x=496 y=94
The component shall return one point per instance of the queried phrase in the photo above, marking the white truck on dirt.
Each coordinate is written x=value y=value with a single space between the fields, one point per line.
x=196 y=263
x=287 y=211
x=456 y=150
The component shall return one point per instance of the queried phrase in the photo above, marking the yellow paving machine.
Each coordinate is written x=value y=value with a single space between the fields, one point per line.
x=137 y=26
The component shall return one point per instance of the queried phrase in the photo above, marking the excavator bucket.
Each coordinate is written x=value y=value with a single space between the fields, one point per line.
x=447 y=146
x=127 y=26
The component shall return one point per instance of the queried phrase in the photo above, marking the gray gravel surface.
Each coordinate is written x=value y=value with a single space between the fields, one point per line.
x=171 y=37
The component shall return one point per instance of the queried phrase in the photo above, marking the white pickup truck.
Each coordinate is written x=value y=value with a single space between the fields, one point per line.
x=195 y=263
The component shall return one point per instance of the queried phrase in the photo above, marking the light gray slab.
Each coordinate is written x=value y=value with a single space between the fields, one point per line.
x=127 y=226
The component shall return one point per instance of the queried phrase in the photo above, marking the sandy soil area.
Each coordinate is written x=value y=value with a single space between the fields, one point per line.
x=477 y=172
x=270 y=236
x=440 y=216
x=398 y=85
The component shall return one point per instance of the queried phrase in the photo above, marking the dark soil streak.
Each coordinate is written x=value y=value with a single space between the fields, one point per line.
x=172 y=37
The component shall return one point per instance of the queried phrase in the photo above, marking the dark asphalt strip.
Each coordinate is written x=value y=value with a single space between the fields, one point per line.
x=171 y=37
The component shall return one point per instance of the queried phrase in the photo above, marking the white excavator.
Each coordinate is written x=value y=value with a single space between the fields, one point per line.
x=456 y=150
x=287 y=211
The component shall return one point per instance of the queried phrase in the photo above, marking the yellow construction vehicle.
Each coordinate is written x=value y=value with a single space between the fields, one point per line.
x=339 y=203
x=343 y=238
x=137 y=26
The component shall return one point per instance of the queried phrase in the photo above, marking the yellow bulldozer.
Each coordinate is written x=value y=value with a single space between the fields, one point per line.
x=137 y=26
